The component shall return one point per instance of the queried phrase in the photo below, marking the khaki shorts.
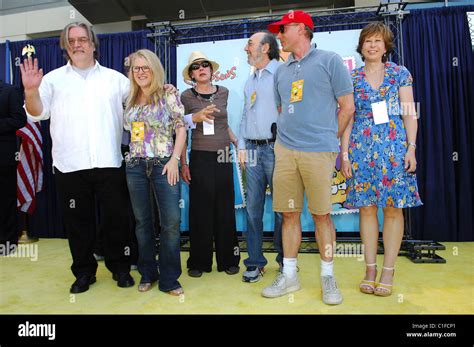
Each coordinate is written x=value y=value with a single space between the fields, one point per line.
x=297 y=172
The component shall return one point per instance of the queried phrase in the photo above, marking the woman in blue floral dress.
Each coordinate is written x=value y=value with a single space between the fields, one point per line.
x=379 y=153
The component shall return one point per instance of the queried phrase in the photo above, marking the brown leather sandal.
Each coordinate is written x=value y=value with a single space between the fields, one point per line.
x=176 y=292
x=144 y=287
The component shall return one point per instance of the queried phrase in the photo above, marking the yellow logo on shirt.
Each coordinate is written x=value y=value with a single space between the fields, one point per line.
x=253 y=97
x=297 y=91
x=138 y=131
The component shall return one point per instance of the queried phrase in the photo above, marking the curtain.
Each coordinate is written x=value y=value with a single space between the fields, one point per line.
x=3 y=64
x=439 y=54
x=46 y=220
x=114 y=48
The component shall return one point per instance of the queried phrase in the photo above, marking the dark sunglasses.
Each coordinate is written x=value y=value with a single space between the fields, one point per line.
x=197 y=66
x=281 y=28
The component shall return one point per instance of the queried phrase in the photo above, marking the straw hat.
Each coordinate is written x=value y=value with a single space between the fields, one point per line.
x=194 y=57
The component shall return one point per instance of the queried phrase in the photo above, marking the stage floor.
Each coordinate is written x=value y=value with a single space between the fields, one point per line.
x=42 y=286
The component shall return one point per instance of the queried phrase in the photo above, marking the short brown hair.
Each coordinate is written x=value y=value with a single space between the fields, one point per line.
x=64 y=39
x=372 y=29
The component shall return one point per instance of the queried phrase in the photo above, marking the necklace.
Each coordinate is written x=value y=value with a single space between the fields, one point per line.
x=211 y=98
x=212 y=87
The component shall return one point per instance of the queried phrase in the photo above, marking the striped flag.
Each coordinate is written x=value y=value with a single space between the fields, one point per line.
x=30 y=166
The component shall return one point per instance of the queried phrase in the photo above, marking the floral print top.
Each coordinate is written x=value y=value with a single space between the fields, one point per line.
x=158 y=124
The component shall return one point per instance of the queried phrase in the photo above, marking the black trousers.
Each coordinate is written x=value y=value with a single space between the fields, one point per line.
x=211 y=213
x=100 y=241
x=99 y=234
x=77 y=192
x=8 y=210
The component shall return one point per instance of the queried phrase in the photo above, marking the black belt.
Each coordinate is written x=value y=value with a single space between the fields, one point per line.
x=261 y=142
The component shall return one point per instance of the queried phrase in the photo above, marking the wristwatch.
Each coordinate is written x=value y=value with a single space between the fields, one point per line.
x=177 y=157
x=413 y=144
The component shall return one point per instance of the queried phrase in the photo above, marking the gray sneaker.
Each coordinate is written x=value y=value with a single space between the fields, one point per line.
x=253 y=274
x=331 y=294
x=281 y=285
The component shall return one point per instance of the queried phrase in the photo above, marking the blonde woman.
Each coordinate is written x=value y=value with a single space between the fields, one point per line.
x=152 y=116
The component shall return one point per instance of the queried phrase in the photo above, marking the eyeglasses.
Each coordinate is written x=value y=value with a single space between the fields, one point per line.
x=137 y=69
x=197 y=66
x=80 y=40
x=281 y=28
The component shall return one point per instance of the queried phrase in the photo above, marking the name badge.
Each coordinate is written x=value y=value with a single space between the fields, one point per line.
x=138 y=131
x=379 y=111
x=253 y=97
x=297 y=91
x=208 y=129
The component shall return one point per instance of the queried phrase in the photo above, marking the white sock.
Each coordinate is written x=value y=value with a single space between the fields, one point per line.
x=289 y=267
x=327 y=268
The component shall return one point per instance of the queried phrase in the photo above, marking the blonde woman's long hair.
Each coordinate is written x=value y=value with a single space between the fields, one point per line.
x=157 y=78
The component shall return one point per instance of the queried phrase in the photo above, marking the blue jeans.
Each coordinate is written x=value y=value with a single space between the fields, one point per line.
x=259 y=173
x=143 y=174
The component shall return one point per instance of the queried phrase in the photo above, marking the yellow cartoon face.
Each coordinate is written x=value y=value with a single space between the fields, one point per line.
x=138 y=131
x=338 y=188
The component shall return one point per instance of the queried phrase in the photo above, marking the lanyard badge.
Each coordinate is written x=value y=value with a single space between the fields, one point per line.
x=138 y=131
x=297 y=91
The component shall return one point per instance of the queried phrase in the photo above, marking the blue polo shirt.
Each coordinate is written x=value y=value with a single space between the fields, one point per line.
x=310 y=125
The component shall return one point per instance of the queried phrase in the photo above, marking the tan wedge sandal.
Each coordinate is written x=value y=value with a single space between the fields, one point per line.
x=368 y=287
x=383 y=289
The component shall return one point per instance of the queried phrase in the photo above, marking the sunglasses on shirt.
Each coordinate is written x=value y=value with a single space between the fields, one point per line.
x=197 y=66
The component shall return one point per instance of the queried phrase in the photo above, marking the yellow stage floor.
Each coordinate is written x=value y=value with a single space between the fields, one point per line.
x=29 y=286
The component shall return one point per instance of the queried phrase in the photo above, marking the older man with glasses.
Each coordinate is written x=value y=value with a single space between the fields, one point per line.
x=256 y=142
x=84 y=101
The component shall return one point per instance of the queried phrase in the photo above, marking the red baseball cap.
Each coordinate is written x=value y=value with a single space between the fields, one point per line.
x=297 y=16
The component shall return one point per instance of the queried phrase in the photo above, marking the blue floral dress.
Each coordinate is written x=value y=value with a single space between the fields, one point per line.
x=377 y=152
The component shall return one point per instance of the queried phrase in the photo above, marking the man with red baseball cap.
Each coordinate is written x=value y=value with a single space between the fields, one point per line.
x=308 y=87
x=297 y=16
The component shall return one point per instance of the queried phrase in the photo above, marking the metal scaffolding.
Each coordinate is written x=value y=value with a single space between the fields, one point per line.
x=167 y=35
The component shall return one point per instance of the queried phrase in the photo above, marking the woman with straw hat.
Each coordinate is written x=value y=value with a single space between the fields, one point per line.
x=211 y=192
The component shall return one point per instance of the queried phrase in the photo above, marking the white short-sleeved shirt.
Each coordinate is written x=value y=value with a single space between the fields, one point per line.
x=86 y=116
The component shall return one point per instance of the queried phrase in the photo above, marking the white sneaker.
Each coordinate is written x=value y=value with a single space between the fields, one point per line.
x=281 y=285
x=331 y=294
